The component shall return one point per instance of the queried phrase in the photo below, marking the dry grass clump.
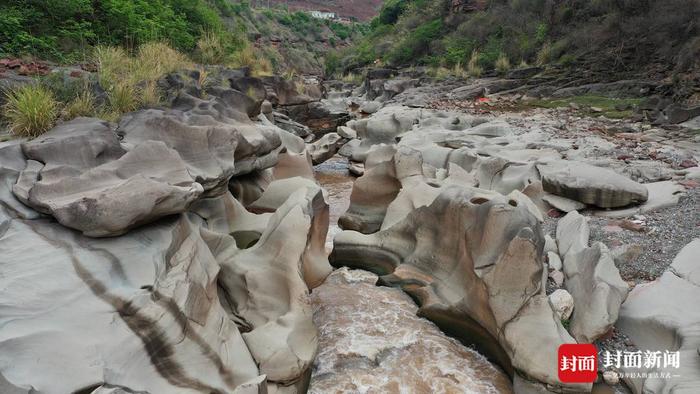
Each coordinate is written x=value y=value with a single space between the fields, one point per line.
x=247 y=57
x=473 y=67
x=352 y=78
x=30 y=110
x=502 y=64
x=130 y=81
x=82 y=105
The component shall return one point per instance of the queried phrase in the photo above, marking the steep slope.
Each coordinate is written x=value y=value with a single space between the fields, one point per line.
x=616 y=39
x=293 y=40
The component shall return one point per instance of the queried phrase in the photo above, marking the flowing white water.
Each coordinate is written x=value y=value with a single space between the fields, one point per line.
x=370 y=339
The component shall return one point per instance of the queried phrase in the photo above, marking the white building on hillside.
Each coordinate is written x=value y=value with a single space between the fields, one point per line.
x=323 y=14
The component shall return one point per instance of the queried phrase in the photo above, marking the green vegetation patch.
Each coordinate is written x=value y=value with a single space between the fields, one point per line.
x=613 y=108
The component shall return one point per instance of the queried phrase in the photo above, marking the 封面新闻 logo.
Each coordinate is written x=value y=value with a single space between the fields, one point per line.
x=578 y=363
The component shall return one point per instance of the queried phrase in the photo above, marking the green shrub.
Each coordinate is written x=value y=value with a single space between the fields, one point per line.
x=391 y=10
x=567 y=60
x=30 y=110
x=457 y=50
x=417 y=42
x=331 y=63
x=491 y=52
x=64 y=30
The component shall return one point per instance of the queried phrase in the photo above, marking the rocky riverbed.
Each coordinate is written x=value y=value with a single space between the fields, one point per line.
x=217 y=244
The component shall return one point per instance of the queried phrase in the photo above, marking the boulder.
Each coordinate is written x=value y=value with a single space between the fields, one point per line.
x=12 y=164
x=657 y=317
x=326 y=147
x=347 y=132
x=550 y=244
x=283 y=92
x=267 y=294
x=598 y=291
x=146 y=183
x=554 y=261
x=320 y=116
x=370 y=107
x=209 y=136
x=285 y=123
x=572 y=234
x=591 y=185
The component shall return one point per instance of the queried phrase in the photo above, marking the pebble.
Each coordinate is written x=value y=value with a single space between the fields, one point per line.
x=563 y=303
x=557 y=277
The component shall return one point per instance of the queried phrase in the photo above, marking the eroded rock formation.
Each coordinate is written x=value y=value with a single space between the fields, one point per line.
x=473 y=262
x=170 y=285
x=657 y=316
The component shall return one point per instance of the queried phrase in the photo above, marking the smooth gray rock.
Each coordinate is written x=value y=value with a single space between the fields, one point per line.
x=214 y=143
x=661 y=195
x=79 y=173
x=554 y=261
x=347 y=132
x=598 y=291
x=591 y=185
x=370 y=107
x=657 y=317
x=562 y=203
x=326 y=147
x=12 y=163
x=139 y=311
x=572 y=234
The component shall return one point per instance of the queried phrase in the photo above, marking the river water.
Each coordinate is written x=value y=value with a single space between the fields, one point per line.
x=370 y=339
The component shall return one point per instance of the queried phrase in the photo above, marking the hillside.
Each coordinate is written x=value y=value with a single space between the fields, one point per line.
x=293 y=40
x=210 y=31
x=362 y=10
x=609 y=39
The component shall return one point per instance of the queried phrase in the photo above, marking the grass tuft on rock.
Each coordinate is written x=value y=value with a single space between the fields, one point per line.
x=30 y=110
x=82 y=105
